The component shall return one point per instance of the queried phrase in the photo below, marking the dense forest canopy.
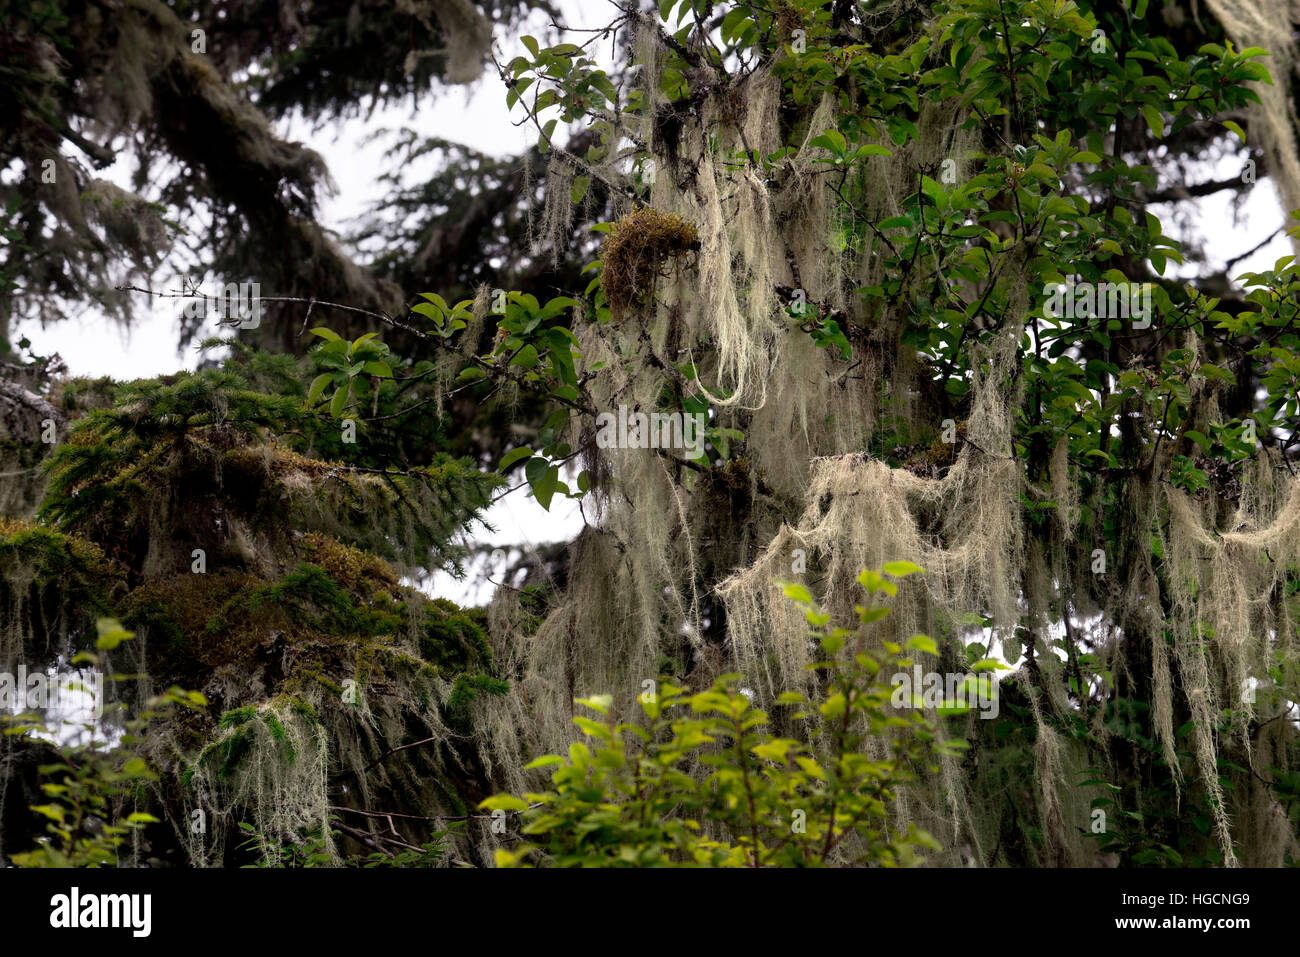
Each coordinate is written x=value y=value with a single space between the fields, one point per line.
x=938 y=488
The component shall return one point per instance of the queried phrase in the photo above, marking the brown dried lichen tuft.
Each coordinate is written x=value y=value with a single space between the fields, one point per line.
x=636 y=251
x=788 y=18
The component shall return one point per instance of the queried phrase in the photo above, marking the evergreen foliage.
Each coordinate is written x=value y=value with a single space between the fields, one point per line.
x=903 y=260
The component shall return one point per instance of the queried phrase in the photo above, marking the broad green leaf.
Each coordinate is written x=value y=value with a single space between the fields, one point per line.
x=535 y=469
x=340 y=400
x=544 y=487
x=513 y=456
x=318 y=385
x=832 y=140
x=1154 y=120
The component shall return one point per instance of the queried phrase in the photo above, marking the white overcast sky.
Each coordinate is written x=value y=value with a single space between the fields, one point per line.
x=477 y=116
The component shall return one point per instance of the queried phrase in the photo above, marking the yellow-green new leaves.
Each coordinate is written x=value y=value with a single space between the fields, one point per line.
x=600 y=702
x=797 y=592
x=641 y=793
x=922 y=643
x=503 y=802
x=348 y=365
x=111 y=634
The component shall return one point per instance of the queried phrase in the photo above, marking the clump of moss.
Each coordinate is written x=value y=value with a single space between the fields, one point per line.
x=277 y=728
x=788 y=19
x=305 y=622
x=52 y=587
x=309 y=590
x=359 y=572
x=82 y=394
x=935 y=459
x=726 y=488
x=191 y=630
x=636 y=251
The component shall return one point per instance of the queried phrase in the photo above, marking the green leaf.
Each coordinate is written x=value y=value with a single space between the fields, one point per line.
x=546 y=761
x=544 y=488
x=774 y=750
x=361 y=341
x=1154 y=120
x=597 y=702
x=833 y=141
x=503 y=802
x=526 y=358
x=544 y=141
x=922 y=643
x=111 y=634
x=592 y=728
x=318 y=385
x=513 y=456
x=797 y=592
x=561 y=354
x=535 y=469
x=340 y=400
x=936 y=192
x=438 y=315
x=901 y=569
